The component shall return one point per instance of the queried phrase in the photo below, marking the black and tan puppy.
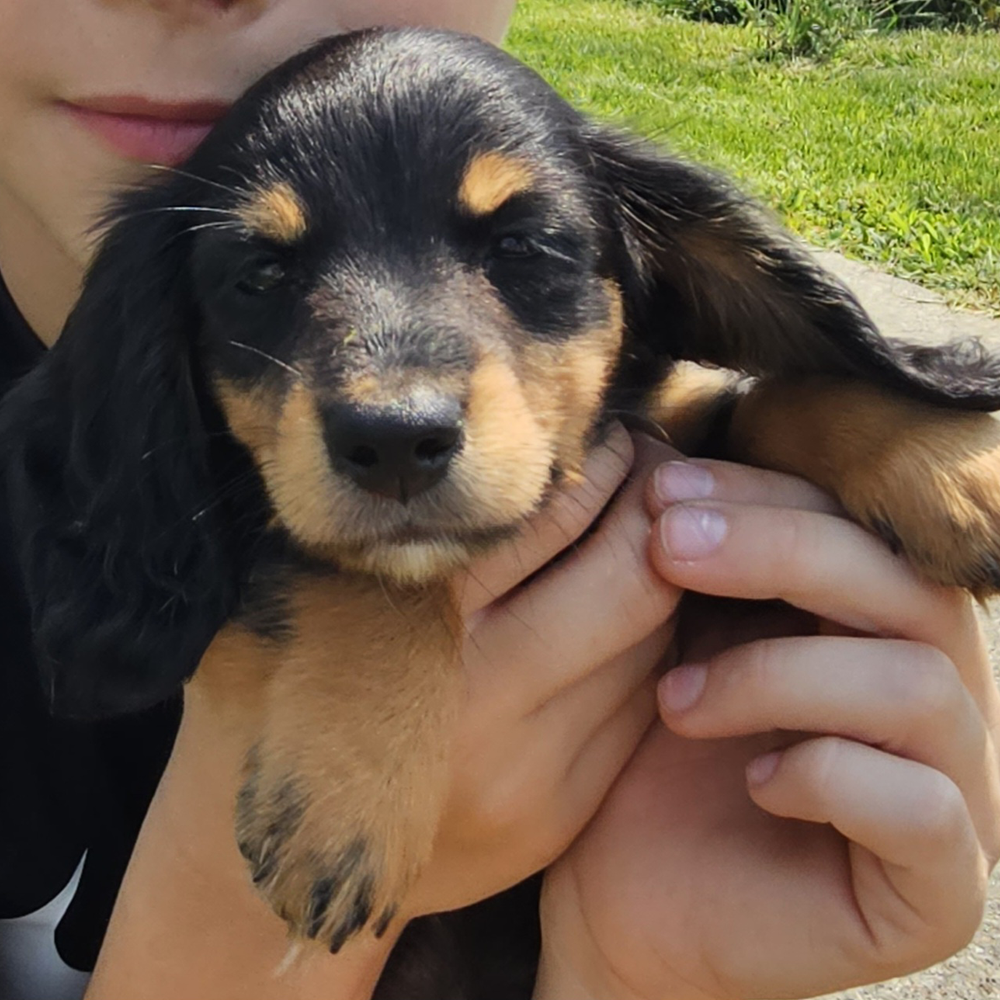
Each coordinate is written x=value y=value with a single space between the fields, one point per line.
x=383 y=311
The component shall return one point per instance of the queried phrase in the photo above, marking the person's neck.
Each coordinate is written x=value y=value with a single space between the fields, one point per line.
x=42 y=278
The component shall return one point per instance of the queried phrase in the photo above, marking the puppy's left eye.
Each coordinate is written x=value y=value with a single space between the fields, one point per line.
x=516 y=246
x=261 y=277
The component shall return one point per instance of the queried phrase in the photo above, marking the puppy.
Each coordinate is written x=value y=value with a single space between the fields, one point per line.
x=383 y=311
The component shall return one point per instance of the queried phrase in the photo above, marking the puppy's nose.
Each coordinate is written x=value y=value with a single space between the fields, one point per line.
x=398 y=451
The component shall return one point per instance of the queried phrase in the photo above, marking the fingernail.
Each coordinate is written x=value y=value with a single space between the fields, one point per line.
x=691 y=532
x=761 y=769
x=682 y=481
x=681 y=688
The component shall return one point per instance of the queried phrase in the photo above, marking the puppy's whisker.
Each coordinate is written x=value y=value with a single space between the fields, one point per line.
x=388 y=598
x=223 y=495
x=182 y=208
x=270 y=357
x=169 y=442
x=489 y=590
x=227 y=225
x=226 y=491
x=645 y=425
x=289 y=961
x=195 y=177
x=233 y=224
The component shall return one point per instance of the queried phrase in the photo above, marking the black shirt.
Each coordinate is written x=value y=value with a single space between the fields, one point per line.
x=65 y=787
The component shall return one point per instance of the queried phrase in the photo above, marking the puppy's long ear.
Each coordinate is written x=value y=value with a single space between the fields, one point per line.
x=110 y=480
x=716 y=282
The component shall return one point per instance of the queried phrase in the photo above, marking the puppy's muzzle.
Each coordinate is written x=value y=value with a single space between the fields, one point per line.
x=397 y=451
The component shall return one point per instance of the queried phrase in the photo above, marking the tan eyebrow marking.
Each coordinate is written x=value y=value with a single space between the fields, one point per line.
x=492 y=179
x=275 y=212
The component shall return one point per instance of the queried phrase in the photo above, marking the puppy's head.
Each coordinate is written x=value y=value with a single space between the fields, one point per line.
x=387 y=304
x=409 y=311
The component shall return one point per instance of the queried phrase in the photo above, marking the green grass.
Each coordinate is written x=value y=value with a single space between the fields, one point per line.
x=889 y=153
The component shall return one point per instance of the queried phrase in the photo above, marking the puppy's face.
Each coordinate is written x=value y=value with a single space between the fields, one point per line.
x=407 y=309
x=412 y=282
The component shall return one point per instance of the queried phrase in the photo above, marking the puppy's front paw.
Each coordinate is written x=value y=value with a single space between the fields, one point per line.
x=934 y=495
x=329 y=862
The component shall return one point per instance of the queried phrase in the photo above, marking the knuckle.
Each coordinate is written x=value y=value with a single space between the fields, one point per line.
x=761 y=665
x=572 y=510
x=924 y=682
x=944 y=819
x=820 y=761
x=795 y=546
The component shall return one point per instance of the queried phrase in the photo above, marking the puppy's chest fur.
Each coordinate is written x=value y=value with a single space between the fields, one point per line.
x=360 y=337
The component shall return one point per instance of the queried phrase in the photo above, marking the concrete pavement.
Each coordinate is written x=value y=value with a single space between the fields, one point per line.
x=905 y=310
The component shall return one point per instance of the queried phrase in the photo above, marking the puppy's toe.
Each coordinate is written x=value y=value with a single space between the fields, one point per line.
x=936 y=499
x=327 y=877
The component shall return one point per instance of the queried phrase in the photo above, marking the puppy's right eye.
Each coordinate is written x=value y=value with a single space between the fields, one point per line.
x=516 y=246
x=261 y=277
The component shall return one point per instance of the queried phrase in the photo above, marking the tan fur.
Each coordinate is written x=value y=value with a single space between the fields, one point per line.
x=688 y=402
x=508 y=454
x=252 y=415
x=275 y=212
x=413 y=562
x=528 y=408
x=232 y=676
x=300 y=479
x=565 y=383
x=492 y=179
x=314 y=502
x=285 y=438
x=350 y=719
x=359 y=713
x=922 y=476
x=365 y=390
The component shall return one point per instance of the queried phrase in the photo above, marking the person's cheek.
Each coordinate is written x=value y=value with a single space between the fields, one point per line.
x=487 y=18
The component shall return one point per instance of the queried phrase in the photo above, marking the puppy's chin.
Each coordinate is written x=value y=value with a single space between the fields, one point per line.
x=408 y=563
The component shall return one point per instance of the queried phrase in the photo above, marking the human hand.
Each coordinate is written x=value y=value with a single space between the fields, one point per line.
x=559 y=688
x=561 y=660
x=825 y=811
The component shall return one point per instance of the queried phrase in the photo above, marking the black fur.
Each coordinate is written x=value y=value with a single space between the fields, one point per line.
x=115 y=470
x=141 y=523
x=136 y=517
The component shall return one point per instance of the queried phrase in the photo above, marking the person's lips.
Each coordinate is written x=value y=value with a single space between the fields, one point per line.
x=147 y=131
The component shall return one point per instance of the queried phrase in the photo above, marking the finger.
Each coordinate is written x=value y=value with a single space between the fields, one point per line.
x=567 y=515
x=907 y=698
x=925 y=878
x=572 y=715
x=822 y=564
x=706 y=479
x=598 y=601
